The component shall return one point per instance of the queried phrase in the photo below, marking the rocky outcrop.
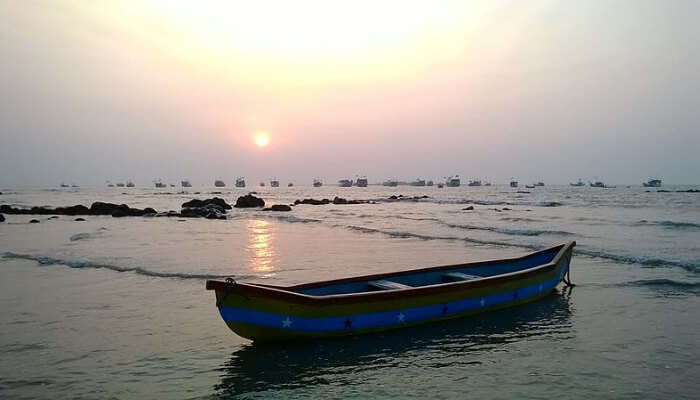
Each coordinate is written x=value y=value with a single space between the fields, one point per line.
x=336 y=200
x=312 y=202
x=470 y=208
x=249 y=201
x=210 y=211
x=97 y=208
x=196 y=203
x=407 y=198
x=34 y=221
x=278 y=207
x=73 y=210
x=2 y=218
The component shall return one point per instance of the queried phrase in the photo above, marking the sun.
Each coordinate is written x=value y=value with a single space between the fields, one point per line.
x=262 y=139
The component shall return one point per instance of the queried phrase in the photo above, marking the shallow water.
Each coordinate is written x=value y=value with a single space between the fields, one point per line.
x=116 y=308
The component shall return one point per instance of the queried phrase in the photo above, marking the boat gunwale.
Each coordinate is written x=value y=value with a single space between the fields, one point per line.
x=287 y=293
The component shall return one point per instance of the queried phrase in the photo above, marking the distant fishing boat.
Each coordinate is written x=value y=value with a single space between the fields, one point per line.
x=64 y=185
x=361 y=181
x=390 y=182
x=185 y=183
x=652 y=182
x=487 y=183
x=379 y=302
x=513 y=183
x=419 y=182
x=440 y=185
x=274 y=182
x=345 y=183
x=530 y=186
x=290 y=184
x=579 y=183
x=317 y=182
x=262 y=184
x=219 y=183
x=240 y=182
x=120 y=184
x=540 y=183
x=475 y=182
x=129 y=184
x=597 y=184
x=429 y=183
x=109 y=184
x=159 y=184
x=453 y=181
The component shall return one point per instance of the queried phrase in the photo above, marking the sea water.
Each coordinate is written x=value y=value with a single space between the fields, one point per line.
x=116 y=307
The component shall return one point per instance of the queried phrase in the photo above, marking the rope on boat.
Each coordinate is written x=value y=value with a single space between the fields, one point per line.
x=567 y=278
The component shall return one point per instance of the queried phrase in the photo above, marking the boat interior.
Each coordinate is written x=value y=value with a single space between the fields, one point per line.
x=428 y=276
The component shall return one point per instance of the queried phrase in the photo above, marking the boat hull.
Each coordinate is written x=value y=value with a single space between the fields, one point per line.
x=265 y=313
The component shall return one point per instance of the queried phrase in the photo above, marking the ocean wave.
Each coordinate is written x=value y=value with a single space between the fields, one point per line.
x=671 y=224
x=421 y=236
x=666 y=284
x=507 y=231
x=78 y=264
x=548 y=204
x=396 y=234
x=647 y=262
x=289 y=218
x=520 y=219
x=80 y=236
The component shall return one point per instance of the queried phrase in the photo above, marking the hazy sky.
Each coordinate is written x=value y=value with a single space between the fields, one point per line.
x=551 y=90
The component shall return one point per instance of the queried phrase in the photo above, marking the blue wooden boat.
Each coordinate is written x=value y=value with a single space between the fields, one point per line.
x=372 y=303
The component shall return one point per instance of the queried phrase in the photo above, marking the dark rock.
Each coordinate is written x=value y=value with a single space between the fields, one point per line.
x=248 y=201
x=470 y=208
x=54 y=217
x=339 y=200
x=278 y=207
x=118 y=213
x=215 y=215
x=688 y=191
x=496 y=210
x=663 y=191
x=170 y=213
x=149 y=210
x=100 y=208
x=79 y=219
x=506 y=209
x=193 y=203
x=73 y=210
x=2 y=218
x=313 y=202
x=393 y=197
x=34 y=221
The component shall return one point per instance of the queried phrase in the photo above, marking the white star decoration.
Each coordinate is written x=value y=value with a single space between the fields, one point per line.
x=482 y=302
x=401 y=317
x=286 y=323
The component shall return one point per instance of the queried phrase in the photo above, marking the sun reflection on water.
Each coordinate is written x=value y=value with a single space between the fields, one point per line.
x=260 y=248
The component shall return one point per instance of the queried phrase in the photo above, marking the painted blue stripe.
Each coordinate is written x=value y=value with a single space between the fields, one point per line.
x=387 y=318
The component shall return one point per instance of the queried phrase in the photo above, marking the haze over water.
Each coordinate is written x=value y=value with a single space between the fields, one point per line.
x=541 y=90
x=98 y=92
